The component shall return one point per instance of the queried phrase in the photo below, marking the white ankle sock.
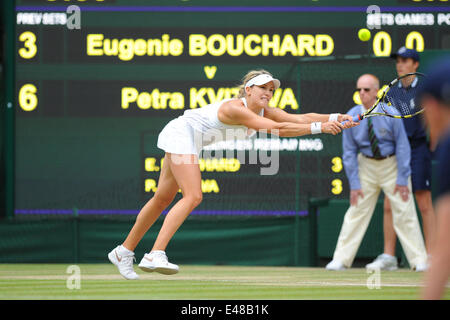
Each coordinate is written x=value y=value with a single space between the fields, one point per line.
x=125 y=250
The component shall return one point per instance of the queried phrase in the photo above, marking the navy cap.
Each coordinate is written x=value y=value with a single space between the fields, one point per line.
x=437 y=81
x=406 y=53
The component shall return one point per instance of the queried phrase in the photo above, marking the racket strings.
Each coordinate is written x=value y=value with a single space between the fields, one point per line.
x=403 y=97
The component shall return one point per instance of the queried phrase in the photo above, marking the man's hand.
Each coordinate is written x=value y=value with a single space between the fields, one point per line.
x=403 y=190
x=354 y=194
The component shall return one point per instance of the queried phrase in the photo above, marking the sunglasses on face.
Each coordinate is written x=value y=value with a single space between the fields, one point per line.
x=365 y=89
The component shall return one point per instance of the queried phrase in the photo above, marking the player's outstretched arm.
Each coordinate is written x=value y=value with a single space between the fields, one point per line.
x=279 y=115
x=234 y=114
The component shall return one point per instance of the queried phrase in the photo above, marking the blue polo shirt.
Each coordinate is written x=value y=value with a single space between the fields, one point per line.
x=415 y=126
x=392 y=139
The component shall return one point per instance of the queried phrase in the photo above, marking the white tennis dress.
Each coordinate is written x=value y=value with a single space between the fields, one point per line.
x=197 y=128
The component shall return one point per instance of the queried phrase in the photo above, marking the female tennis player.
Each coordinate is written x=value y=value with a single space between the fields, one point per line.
x=181 y=139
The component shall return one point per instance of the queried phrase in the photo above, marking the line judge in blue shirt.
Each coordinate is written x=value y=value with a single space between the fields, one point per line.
x=376 y=156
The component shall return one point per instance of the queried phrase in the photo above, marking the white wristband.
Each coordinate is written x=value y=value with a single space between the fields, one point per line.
x=333 y=117
x=316 y=127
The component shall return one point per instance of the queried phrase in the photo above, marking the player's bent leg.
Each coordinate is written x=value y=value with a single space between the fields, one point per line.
x=187 y=174
x=123 y=256
x=164 y=195
x=186 y=171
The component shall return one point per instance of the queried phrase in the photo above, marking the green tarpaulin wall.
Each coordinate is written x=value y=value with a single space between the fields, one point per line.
x=216 y=240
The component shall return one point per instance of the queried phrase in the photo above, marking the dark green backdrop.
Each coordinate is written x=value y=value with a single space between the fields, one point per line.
x=80 y=151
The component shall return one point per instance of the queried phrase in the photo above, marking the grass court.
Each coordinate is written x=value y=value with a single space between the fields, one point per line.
x=103 y=282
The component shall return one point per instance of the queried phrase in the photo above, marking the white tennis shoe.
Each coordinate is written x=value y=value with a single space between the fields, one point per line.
x=157 y=261
x=421 y=267
x=383 y=262
x=123 y=260
x=335 y=265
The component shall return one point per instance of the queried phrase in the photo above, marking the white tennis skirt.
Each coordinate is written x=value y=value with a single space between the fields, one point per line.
x=178 y=137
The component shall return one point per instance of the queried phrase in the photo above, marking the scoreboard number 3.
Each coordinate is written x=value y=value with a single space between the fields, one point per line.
x=337 y=164
x=336 y=184
x=29 y=41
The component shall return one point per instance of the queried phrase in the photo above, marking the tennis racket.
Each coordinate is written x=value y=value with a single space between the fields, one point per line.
x=403 y=100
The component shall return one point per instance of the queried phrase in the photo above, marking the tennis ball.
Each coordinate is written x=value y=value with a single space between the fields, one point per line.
x=364 y=34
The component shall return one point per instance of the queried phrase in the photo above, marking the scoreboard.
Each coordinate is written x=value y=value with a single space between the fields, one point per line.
x=96 y=81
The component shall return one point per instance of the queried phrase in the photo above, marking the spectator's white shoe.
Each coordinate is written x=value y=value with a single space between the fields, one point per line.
x=421 y=267
x=335 y=265
x=383 y=262
x=157 y=261
x=123 y=260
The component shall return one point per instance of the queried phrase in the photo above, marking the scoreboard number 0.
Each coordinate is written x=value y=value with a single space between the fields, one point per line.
x=382 y=43
x=28 y=100
x=416 y=37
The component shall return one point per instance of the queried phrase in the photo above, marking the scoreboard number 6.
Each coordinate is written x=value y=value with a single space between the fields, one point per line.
x=29 y=41
x=28 y=100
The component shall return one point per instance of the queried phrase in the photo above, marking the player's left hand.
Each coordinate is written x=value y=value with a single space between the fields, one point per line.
x=332 y=127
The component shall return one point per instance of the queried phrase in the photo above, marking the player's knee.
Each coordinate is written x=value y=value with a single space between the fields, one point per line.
x=194 y=198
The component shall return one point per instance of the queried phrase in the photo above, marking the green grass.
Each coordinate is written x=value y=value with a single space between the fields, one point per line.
x=103 y=282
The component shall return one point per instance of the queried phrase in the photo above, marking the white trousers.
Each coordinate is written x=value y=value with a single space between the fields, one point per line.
x=377 y=175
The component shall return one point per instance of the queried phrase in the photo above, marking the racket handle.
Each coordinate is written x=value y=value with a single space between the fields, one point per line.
x=356 y=118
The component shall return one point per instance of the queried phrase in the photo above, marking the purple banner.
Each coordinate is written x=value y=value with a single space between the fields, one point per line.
x=231 y=9
x=135 y=212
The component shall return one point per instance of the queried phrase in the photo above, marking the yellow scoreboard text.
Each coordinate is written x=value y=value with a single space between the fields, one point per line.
x=216 y=45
